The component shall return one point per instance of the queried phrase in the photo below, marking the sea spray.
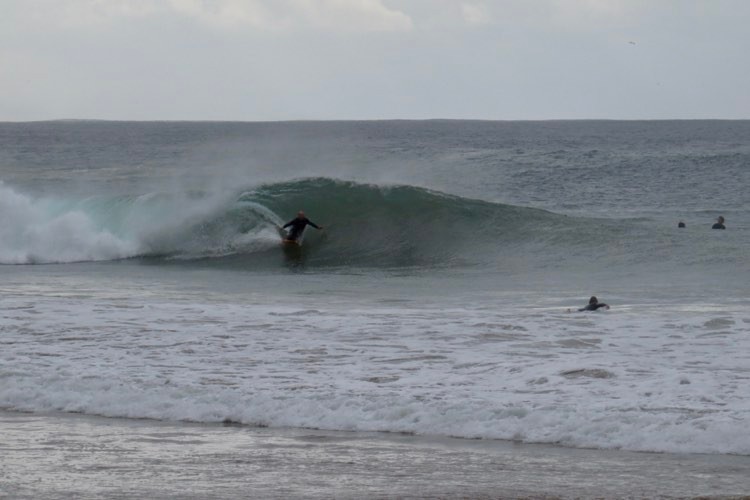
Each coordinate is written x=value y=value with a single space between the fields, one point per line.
x=96 y=228
x=32 y=231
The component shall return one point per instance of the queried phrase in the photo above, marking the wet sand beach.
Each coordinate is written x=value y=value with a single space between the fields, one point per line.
x=78 y=456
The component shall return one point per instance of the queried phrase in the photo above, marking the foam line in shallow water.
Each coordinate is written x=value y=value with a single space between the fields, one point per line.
x=649 y=380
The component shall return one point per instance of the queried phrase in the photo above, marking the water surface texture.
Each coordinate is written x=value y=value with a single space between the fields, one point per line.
x=142 y=277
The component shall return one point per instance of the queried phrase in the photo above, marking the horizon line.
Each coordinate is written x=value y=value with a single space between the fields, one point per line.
x=355 y=120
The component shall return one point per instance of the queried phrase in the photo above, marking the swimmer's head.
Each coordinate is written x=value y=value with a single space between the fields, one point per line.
x=300 y=214
x=593 y=300
x=680 y=224
x=720 y=219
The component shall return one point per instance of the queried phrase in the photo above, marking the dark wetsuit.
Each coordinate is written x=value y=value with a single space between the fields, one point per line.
x=718 y=225
x=298 y=227
x=594 y=307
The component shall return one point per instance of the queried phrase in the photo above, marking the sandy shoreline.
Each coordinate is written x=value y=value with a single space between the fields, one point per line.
x=79 y=456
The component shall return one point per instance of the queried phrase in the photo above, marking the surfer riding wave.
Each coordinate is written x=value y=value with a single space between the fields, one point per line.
x=297 y=227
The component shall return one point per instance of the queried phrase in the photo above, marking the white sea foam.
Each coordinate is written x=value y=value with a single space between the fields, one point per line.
x=30 y=232
x=48 y=230
x=670 y=379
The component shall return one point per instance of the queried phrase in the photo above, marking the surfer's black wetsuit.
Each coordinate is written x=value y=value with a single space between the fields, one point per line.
x=718 y=225
x=593 y=307
x=298 y=227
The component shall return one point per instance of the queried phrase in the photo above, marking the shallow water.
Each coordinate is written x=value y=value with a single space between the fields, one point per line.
x=64 y=456
x=665 y=377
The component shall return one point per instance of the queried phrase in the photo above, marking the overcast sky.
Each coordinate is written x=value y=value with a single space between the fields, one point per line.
x=374 y=59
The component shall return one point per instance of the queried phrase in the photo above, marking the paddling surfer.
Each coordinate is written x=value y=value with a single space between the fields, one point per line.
x=594 y=304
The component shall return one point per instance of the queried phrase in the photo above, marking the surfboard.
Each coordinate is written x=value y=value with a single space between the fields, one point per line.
x=289 y=243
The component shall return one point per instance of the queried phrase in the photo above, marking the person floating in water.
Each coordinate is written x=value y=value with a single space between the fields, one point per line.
x=681 y=224
x=594 y=304
x=297 y=226
x=719 y=223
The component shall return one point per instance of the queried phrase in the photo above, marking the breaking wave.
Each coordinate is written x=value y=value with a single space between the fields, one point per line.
x=366 y=225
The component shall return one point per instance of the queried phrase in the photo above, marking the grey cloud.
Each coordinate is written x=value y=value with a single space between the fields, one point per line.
x=349 y=59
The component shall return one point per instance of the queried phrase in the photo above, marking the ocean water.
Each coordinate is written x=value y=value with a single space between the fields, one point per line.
x=142 y=277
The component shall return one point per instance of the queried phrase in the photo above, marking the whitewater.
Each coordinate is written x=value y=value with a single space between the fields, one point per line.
x=636 y=379
x=142 y=277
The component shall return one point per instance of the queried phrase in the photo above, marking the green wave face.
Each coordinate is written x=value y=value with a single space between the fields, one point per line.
x=397 y=226
x=365 y=226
